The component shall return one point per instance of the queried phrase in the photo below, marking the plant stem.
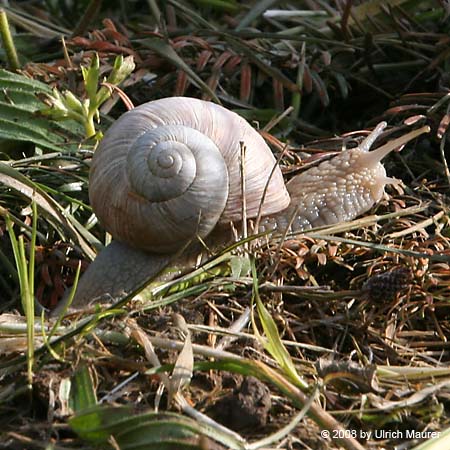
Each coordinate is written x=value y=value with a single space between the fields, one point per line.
x=8 y=42
x=89 y=126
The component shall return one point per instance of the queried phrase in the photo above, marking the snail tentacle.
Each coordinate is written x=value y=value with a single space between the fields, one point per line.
x=339 y=189
x=168 y=172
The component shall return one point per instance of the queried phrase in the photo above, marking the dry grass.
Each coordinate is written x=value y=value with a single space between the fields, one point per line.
x=361 y=307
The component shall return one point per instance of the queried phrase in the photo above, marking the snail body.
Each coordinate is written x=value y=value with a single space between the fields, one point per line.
x=168 y=172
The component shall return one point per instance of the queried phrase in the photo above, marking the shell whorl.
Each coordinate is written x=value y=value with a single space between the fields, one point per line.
x=336 y=190
x=169 y=170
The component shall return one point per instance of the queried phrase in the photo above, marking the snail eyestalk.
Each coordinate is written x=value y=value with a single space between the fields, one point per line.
x=375 y=156
x=372 y=137
x=180 y=167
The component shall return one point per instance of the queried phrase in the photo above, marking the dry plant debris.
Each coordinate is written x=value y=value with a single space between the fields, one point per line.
x=361 y=307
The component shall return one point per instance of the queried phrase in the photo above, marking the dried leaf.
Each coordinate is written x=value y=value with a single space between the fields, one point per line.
x=184 y=365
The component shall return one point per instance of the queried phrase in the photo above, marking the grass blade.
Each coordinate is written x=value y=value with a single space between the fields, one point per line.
x=255 y=12
x=83 y=393
x=272 y=341
x=25 y=273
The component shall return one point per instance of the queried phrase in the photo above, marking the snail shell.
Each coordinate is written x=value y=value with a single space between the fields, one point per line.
x=169 y=170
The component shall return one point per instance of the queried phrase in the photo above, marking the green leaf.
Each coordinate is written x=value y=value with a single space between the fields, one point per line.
x=91 y=77
x=10 y=80
x=122 y=68
x=137 y=431
x=240 y=266
x=273 y=343
x=27 y=132
x=83 y=392
x=73 y=102
x=20 y=119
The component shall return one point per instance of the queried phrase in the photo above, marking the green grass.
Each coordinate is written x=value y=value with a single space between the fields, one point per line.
x=344 y=328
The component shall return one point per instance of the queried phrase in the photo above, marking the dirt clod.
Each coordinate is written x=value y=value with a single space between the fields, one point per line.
x=247 y=406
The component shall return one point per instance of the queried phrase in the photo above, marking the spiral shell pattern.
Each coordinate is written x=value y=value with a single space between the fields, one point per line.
x=169 y=171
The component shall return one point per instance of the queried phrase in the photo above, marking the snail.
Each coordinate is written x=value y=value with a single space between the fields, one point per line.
x=168 y=174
